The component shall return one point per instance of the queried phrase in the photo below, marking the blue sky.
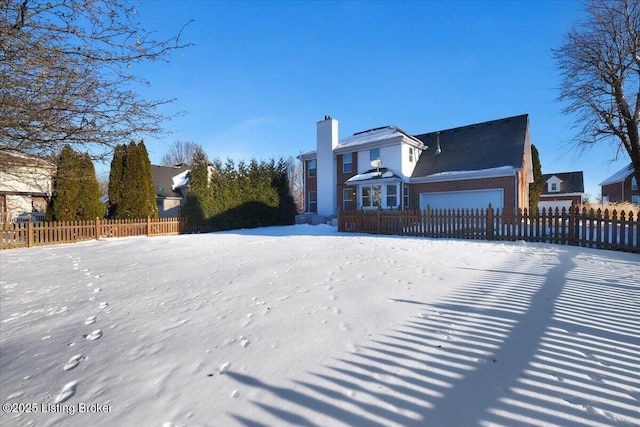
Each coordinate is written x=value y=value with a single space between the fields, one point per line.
x=261 y=74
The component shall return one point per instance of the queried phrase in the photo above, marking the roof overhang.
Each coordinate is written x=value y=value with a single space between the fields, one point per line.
x=372 y=175
x=560 y=195
x=464 y=175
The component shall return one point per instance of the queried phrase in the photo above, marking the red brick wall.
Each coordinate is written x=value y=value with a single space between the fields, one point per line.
x=343 y=177
x=310 y=184
x=620 y=191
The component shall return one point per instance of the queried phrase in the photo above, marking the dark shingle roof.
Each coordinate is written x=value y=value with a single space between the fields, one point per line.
x=572 y=182
x=163 y=179
x=487 y=145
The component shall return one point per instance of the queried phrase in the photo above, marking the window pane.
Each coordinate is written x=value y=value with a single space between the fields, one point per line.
x=366 y=196
x=406 y=196
x=347 y=163
x=374 y=154
x=347 y=199
x=392 y=196
x=376 y=191
x=312 y=168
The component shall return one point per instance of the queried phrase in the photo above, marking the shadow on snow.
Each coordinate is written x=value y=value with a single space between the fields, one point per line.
x=541 y=345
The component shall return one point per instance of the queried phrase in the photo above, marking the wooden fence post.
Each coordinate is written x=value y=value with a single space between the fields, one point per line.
x=148 y=226
x=97 y=228
x=30 y=234
x=378 y=220
x=490 y=235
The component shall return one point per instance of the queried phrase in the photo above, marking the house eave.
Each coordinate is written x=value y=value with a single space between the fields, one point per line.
x=560 y=194
x=307 y=156
x=465 y=175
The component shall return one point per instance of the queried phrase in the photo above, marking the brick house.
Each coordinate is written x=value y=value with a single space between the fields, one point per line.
x=620 y=187
x=561 y=190
x=465 y=167
x=171 y=184
x=26 y=184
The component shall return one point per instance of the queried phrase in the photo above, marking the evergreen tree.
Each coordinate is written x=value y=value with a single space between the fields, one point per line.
x=151 y=205
x=198 y=205
x=116 y=189
x=89 y=197
x=76 y=194
x=131 y=190
x=536 y=187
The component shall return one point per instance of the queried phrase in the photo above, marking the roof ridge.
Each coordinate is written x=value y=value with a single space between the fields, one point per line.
x=487 y=123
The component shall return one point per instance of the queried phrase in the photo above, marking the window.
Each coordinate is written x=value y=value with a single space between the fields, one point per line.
x=410 y=154
x=371 y=196
x=312 y=201
x=392 y=196
x=374 y=154
x=405 y=195
x=347 y=163
x=634 y=183
x=312 y=168
x=554 y=186
x=347 y=199
x=635 y=200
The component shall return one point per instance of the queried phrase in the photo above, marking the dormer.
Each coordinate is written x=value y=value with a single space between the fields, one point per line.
x=553 y=184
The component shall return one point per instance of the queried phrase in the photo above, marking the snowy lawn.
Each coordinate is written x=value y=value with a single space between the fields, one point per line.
x=304 y=326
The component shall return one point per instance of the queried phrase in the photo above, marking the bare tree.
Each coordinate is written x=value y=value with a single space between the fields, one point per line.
x=600 y=66
x=68 y=76
x=296 y=182
x=180 y=152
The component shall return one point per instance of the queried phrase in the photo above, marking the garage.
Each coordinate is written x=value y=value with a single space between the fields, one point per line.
x=472 y=199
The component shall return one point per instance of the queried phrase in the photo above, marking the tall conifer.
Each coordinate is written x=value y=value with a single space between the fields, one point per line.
x=76 y=194
x=116 y=181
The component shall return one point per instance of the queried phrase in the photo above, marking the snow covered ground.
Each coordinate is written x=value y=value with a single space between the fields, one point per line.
x=305 y=326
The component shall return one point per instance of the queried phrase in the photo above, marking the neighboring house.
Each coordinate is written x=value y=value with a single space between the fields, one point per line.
x=26 y=183
x=561 y=190
x=466 y=167
x=620 y=187
x=171 y=184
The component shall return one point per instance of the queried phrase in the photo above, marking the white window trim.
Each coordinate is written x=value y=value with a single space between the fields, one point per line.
x=383 y=195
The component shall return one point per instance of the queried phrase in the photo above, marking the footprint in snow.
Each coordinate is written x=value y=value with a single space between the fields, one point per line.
x=94 y=335
x=103 y=305
x=73 y=362
x=67 y=391
x=90 y=320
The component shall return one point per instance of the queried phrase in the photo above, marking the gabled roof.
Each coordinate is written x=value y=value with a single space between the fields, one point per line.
x=378 y=135
x=373 y=174
x=163 y=179
x=619 y=176
x=494 y=145
x=570 y=182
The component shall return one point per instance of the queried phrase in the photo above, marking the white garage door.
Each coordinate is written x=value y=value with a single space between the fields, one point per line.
x=475 y=199
x=553 y=204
